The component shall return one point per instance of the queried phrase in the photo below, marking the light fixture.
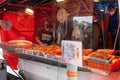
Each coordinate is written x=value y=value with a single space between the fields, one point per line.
x=4 y=9
x=102 y=10
x=60 y=0
x=29 y=11
x=96 y=0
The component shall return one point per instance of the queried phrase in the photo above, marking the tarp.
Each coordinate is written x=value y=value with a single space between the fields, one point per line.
x=22 y=28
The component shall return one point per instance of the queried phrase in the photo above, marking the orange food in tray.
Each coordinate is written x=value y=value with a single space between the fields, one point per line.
x=101 y=55
x=107 y=51
x=56 y=50
x=52 y=49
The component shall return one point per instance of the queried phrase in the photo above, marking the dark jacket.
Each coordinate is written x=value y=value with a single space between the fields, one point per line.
x=113 y=23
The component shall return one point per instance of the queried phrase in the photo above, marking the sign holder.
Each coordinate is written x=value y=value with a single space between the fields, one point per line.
x=72 y=55
x=72 y=72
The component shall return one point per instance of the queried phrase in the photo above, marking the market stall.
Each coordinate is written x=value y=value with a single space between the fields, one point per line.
x=46 y=62
x=35 y=64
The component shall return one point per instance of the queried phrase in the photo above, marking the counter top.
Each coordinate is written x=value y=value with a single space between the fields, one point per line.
x=48 y=61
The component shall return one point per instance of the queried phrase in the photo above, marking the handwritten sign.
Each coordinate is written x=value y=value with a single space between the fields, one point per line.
x=72 y=52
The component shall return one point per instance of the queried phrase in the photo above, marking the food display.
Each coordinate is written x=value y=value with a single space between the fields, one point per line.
x=55 y=49
x=101 y=59
x=20 y=43
x=107 y=51
x=51 y=49
x=101 y=55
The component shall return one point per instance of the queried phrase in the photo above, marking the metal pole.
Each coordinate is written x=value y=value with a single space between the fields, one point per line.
x=117 y=35
x=101 y=16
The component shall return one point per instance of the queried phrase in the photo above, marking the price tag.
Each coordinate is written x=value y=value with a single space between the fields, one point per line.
x=25 y=51
x=30 y=52
x=36 y=53
x=50 y=56
x=19 y=50
x=58 y=58
x=39 y=54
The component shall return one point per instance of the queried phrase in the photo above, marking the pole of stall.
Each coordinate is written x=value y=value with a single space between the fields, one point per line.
x=72 y=72
x=117 y=35
x=119 y=26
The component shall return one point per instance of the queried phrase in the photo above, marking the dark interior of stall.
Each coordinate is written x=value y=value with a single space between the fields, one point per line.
x=25 y=26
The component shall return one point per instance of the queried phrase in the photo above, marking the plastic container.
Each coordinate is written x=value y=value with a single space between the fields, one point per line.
x=103 y=66
x=101 y=60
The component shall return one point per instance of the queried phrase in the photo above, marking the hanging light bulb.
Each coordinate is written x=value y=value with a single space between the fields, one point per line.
x=96 y=0
x=102 y=10
x=29 y=11
x=60 y=0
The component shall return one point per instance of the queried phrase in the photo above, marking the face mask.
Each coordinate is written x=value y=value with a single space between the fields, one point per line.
x=112 y=13
x=95 y=20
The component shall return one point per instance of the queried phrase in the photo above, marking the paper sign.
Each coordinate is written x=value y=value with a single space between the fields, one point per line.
x=72 y=52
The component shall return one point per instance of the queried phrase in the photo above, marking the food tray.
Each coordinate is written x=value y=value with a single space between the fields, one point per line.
x=103 y=66
x=99 y=65
x=101 y=60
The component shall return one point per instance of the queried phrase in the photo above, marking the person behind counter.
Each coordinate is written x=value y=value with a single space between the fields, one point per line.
x=113 y=24
x=96 y=33
x=45 y=35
